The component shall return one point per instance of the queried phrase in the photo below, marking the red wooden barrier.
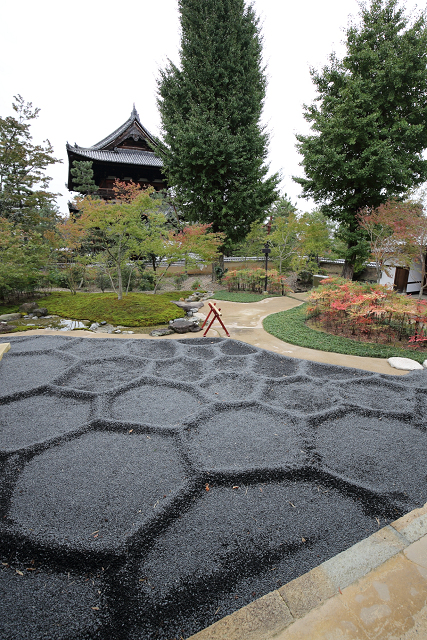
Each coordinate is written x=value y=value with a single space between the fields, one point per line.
x=216 y=316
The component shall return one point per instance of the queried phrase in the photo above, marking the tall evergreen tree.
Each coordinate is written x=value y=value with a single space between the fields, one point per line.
x=214 y=147
x=24 y=195
x=368 y=121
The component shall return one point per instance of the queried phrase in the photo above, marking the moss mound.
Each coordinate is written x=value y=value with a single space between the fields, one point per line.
x=134 y=310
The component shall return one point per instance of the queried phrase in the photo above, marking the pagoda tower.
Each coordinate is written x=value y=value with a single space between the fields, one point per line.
x=126 y=154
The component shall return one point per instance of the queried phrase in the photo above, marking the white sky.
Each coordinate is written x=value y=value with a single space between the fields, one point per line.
x=85 y=63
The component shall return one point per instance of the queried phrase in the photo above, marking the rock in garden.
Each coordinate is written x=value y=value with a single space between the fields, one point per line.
x=188 y=306
x=405 y=364
x=104 y=328
x=10 y=316
x=182 y=325
x=94 y=326
x=40 y=312
x=425 y=364
x=157 y=333
x=27 y=306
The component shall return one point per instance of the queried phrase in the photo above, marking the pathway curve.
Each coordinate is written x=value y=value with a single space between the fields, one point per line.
x=244 y=322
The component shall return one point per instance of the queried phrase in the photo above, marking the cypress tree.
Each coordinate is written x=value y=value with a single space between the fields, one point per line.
x=214 y=147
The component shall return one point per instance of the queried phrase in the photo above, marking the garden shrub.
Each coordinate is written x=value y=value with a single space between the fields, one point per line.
x=374 y=312
x=179 y=279
x=254 y=280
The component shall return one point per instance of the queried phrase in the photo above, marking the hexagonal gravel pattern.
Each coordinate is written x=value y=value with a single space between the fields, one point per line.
x=151 y=487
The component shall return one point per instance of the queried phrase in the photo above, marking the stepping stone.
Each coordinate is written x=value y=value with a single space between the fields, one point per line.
x=405 y=364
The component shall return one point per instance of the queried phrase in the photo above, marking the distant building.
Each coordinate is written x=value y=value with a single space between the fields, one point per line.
x=406 y=280
x=126 y=154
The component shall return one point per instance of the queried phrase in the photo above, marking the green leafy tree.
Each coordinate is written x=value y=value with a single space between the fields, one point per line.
x=214 y=147
x=83 y=181
x=254 y=241
x=121 y=233
x=23 y=255
x=24 y=195
x=316 y=234
x=368 y=122
x=285 y=242
x=118 y=230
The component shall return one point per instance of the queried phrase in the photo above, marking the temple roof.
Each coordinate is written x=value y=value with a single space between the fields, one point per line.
x=124 y=145
x=126 y=156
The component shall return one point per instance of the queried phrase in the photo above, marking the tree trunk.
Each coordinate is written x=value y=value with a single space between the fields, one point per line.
x=347 y=270
x=119 y=283
x=215 y=265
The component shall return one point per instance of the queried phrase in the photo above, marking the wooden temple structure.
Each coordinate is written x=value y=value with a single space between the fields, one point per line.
x=126 y=154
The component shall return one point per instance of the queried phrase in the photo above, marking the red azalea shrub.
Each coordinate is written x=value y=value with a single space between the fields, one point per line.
x=373 y=312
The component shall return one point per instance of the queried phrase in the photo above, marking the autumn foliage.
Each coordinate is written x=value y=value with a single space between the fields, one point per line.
x=369 y=312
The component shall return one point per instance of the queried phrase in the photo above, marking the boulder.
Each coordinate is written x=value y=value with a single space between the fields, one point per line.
x=158 y=333
x=6 y=328
x=183 y=325
x=405 y=364
x=188 y=306
x=425 y=364
x=10 y=316
x=27 y=306
x=105 y=328
x=40 y=312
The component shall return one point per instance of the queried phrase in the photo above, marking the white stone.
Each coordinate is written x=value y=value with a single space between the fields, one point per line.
x=425 y=364
x=405 y=364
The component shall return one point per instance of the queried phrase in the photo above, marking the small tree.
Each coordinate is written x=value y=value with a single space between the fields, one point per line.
x=380 y=225
x=83 y=181
x=193 y=243
x=285 y=243
x=121 y=233
x=23 y=255
x=117 y=231
x=315 y=236
x=398 y=235
x=412 y=231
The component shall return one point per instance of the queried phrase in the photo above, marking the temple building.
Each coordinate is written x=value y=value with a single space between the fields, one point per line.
x=126 y=154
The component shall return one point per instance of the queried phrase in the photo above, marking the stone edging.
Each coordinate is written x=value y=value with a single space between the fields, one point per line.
x=266 y=617
x=4 y=348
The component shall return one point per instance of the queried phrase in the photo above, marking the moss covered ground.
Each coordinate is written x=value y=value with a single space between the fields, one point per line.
x=134 y=310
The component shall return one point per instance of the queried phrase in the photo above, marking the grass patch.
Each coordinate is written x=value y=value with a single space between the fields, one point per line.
x=290 y=326
x=9 y=308
x=135 y=310
x=242 y=296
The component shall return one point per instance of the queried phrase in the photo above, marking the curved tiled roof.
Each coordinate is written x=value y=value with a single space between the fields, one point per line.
x=134 y=117
x=127 y=156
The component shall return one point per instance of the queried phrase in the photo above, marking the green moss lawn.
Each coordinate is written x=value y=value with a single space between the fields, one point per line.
x=290 y=326
x=135 y=310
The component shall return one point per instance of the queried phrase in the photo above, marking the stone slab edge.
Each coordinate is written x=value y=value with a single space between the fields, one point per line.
x=4 y=348
x=266 y=617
